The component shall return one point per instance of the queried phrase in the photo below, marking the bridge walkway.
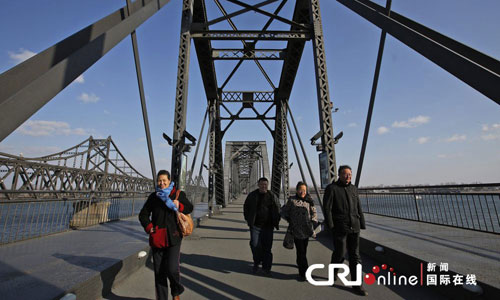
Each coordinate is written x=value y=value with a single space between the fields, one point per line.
x=101 y=261
x=216 y=263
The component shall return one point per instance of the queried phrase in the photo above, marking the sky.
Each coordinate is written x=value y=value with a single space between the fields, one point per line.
x=428 y=127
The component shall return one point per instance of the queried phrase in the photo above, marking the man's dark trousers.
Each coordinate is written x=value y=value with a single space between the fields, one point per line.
x=261 y=243
x=166 y=265
x=341 y=241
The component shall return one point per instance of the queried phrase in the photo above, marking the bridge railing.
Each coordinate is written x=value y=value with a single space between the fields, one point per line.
x=30 y=218
x=474 y=207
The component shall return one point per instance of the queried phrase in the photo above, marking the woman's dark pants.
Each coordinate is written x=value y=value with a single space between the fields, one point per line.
x=166 y=265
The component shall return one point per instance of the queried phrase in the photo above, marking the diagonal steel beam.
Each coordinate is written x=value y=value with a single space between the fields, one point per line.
x=30 y=85
x=268 y=23
x=239 y=12
x=273 y=16
x=221 y=8
x=478 y=70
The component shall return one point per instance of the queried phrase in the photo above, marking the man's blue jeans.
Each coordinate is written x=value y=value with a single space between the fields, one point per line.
x=261 y=242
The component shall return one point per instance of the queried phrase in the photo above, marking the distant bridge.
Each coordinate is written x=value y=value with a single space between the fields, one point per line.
x=94 y=165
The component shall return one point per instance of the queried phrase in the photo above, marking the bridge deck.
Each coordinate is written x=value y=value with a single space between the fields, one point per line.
x=465 y=251
x=216 y=261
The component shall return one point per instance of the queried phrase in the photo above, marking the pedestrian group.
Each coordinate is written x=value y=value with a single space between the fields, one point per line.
x=262 y=211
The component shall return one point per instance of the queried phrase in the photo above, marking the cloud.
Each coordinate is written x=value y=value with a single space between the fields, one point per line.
x=106 y=112
x=79 y=79
x=412 y=122
x=21 y=55
x=491 y=132
x=88 y=98
x=382 y=130
x=450 y=155
x=352 y=125
x=30 y=151
x=490 y=137
x=422 y=140
x=456 y=138
x=49 y=128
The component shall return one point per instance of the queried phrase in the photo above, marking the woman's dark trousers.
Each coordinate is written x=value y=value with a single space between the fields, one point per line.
x=301 y=247
x=166 y=265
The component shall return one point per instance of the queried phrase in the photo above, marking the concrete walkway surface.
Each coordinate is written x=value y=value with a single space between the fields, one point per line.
x=216 y=263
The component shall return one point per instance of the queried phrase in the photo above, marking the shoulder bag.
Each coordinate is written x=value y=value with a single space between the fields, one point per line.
x=184 y=221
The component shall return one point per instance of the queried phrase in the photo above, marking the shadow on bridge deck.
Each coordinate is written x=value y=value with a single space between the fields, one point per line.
x=216 y=263
x=101 y=261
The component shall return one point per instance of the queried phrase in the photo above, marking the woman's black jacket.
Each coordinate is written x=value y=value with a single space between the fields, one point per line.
x=155 y=214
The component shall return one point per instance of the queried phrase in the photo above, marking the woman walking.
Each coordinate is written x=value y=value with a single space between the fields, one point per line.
x=300 y=213
x=159 y=219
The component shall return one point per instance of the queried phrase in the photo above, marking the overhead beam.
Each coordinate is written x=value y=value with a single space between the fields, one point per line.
x=30 y=85
x=238 y=96
x=478 y=70
x=251 y=35
x=237 y=54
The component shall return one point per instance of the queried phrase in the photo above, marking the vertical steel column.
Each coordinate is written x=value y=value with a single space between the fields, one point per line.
x=280 y=151
x=372 y=97
x=323 y=93
x=211 y=153
x=219 y=168
x=181 y=89
x=138 y=71
x=216 y=171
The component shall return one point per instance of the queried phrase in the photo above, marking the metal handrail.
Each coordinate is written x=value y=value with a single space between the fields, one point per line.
x=468 y=210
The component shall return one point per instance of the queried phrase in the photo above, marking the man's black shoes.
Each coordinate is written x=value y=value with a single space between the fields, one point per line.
x=255 y=269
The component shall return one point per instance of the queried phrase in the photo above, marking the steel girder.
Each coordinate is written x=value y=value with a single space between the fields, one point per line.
x=207 y=70
x=250 y=97
x=30 y=85
x=280 y=152
x=181 y=90
x=323 y=92
x=300 y=31
x=476 y=69
x=238 y=54
x=244 y=35
x=289 y=71
x=216 y=171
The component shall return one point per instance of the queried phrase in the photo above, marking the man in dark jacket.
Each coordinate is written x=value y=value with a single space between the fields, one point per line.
x=344 y=218
x=261 y=210
x=160 y=222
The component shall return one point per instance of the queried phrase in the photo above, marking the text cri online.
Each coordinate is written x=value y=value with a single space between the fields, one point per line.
x=342 y=275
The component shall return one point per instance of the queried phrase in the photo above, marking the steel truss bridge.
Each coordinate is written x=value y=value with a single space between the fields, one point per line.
x=30 y=85
x=94 y=165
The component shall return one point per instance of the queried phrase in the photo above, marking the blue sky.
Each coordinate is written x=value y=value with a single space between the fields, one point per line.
x=427 y=128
